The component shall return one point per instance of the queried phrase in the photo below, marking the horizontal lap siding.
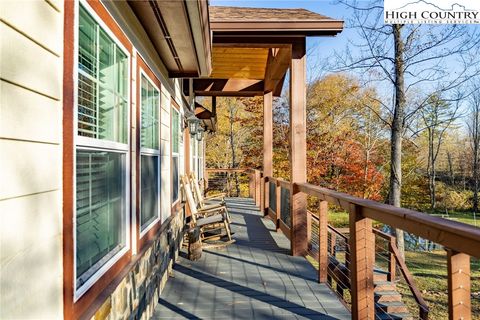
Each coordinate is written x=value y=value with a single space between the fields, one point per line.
x=31 y=159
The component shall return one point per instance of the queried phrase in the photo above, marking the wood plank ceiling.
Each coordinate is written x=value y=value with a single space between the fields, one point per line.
x=237 y=62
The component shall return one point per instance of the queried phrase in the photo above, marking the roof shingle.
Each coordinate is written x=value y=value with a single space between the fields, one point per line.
x=244 y=14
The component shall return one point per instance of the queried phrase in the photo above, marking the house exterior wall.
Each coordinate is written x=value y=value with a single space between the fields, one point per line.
x=32 y=195
x=30 y=159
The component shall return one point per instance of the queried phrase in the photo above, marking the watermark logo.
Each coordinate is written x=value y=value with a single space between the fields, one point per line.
x=432 y=11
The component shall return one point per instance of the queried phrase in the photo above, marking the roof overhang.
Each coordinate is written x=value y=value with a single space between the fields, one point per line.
x=327 y=27
x=180 y=32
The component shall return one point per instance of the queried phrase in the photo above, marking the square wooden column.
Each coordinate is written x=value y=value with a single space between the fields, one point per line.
x=267 y=147
x=362 y=246
x=459 y=287
x=298 y=147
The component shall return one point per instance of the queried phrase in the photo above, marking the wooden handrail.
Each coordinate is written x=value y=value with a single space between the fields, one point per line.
x=451 y=234
x=410 y=281
x=227 y=170
x=383 y=235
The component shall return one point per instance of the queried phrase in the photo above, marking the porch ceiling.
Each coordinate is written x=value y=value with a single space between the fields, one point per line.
x=234 y=62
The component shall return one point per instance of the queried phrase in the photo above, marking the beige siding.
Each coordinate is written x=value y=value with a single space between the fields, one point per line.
x=31 y=279
x=165 y=173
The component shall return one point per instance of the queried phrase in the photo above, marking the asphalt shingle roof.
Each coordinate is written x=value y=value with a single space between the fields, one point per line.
x=240 y=14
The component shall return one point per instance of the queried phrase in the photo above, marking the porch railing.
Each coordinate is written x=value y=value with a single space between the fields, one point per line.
x=356 y=272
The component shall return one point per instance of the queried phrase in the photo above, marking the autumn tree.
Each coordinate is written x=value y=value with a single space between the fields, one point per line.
x=437 y=116
x=406 y=57
x=473 y=124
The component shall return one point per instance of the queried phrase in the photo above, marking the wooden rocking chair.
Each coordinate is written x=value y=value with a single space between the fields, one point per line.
x=209 y=221
x=202 y=201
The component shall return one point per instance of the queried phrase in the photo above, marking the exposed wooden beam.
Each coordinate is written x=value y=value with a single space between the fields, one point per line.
x=298 y=148
x=277 y=65
x=229 y=93
x=228 y=87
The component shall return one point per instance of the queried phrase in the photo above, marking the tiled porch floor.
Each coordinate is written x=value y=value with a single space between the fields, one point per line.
x=254 y=278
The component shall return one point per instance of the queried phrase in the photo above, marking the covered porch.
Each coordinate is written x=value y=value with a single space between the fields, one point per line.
x=254 y=278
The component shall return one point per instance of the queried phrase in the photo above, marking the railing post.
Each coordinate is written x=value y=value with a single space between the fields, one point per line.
x=361 y=267
x=298 y=205
x=205 y=181
x=309 y=228
x=323 y=242
x=257 y=188
x=262 y=195
x=278 y=205
x=251 y=192
x=266 y=195
x=459 y=304
x=392 y=263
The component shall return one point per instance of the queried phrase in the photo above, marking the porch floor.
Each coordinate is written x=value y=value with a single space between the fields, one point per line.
x=254 y=278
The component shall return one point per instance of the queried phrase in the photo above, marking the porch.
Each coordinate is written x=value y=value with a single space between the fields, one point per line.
x=254 y=278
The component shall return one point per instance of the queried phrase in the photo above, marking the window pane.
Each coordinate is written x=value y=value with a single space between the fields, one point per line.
x=150 y=105
x=149 y=189
x=176 y=178
x=101 y=210
x=87 y=59
x=175 y=130
x=102 y=85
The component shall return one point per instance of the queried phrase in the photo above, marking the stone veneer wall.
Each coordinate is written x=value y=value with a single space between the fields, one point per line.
x=138 y=293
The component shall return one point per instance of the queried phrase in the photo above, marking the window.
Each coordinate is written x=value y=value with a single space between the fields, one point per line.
x=175 y=154
x=101 y=153
x=149 y=154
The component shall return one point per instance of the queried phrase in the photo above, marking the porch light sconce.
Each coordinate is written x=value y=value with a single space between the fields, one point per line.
x=200 y=132
x=193 y=125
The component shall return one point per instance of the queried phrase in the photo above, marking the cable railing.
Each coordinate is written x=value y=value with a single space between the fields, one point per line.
x=362 y=264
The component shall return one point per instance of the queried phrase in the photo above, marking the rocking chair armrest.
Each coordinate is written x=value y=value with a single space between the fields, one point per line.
x=209 y=210
x=215 y=196
x=213 y=206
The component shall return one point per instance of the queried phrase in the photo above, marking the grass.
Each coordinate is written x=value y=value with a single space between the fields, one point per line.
x=460 y=216
x=429 y=269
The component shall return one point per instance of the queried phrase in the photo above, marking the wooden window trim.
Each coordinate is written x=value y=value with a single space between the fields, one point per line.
x=72 y=309
x=147 y=238
x=177 y=203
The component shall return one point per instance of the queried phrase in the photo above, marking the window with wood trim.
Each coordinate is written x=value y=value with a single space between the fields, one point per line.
x=176 y=132
x=101 y=147
x=149 y=153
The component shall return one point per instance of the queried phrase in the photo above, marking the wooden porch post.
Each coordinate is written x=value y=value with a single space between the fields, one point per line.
x=258 y=179
x=459 y=303
x=298 y=147
x=323 y=242
x=362 y=243
x=267 y=147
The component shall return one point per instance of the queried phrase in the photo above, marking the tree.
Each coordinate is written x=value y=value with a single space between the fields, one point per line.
x=473 y=125
x=437 y=117
x=406 y=57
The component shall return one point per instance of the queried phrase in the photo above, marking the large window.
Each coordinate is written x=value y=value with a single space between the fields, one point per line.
x=101 y=152
x=175 y=154
x=149 y=153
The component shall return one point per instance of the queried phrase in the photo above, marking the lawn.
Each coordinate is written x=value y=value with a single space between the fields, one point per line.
x=429 y=270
